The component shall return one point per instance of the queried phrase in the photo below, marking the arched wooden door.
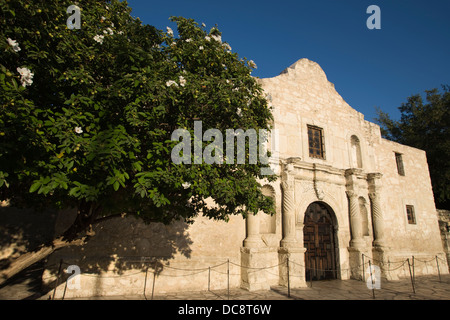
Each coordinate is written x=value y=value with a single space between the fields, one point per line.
x=318 y=237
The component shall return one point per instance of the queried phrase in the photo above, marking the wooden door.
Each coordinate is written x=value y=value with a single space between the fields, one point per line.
x=318 y=237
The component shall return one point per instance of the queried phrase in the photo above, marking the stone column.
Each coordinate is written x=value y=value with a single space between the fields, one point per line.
x=357 y=243
x=288 y=217
x=377 y=214
x=253 y=239
x=355 y=220
x=379 y=251
x=291 y=253
x=253 y=257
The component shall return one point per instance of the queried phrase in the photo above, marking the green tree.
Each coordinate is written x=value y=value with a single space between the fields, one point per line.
x=426 y=125
x=86 y=117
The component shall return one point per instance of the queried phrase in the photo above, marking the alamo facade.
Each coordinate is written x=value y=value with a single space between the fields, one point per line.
x=345 y=196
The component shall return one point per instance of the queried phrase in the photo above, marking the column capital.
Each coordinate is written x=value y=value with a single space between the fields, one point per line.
x=351 y=193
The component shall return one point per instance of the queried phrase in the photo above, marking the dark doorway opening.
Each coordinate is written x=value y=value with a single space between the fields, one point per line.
x=319 y=241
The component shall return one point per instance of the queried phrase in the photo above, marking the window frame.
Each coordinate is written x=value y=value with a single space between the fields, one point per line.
x=400 y=164
x=321 y=148
x=411 y=214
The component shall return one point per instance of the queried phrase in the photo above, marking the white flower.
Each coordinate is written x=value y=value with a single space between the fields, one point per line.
x=120 y=32
x=78 y=130
x=170 y=83
x=252 y=64
x=186 y=185
x=182 y=81
x=203 y=25
x=169 y=31
x=200 y=48
x=13 y=44
x=226 y=46
x=217 y=38
x=239 y=112
x=188 y=40
x=108 y=30
x=99 y=38
x=207 y=38
x=26 y=76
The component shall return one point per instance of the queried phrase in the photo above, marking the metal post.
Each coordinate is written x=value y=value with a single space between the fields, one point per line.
x=371 y=279
x=439 y=272
x=288 y=280
x=414 y=269
x=364 y=272
x=154 y=279
x=57 y=278
x=145 y=282
x=410 y=274
x=209 y=278
x=228 y=276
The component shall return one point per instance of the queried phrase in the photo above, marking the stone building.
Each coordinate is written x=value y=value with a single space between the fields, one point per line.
x=345 y=196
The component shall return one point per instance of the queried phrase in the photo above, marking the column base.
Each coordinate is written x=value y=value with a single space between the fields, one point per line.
x=253 y=273
x=356 y=263
x=381 y=259
x=296 y=277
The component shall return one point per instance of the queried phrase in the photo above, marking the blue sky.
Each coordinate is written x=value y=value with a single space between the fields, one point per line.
x=408 y=55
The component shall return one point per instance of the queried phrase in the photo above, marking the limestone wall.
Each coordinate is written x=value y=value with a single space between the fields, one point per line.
x=123 y=256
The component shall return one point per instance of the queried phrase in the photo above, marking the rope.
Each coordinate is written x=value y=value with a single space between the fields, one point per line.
x=384 y=265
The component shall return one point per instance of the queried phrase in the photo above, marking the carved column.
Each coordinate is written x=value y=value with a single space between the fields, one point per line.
x=355 y=220
x=291 y=253
x=377 y=214
x=380 y=250
x=357 y=243
x=354 y=212
x=288 y=216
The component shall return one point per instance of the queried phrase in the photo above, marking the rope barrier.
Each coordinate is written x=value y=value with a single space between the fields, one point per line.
x=151 y=262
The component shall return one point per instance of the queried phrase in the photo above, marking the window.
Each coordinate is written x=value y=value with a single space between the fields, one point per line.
x=410 y=214
x=315 y=142
x=399 y=160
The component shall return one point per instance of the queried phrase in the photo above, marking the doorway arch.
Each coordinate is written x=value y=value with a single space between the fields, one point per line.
x=319 y=238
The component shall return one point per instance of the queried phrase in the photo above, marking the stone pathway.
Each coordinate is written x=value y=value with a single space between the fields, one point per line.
x=426 y=288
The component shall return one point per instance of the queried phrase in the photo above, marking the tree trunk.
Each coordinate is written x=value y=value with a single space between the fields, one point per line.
x=87 y=212
x=29 y=258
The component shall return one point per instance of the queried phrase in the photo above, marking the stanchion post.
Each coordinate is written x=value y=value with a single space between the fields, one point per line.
x=439 y=272
x=57 y=278
x=154 y=279
x=288 y=280
x=145 y=282
x=363 y=273
x=371 y=279
x=209 y=278
x=411 y=276
x=228 y=278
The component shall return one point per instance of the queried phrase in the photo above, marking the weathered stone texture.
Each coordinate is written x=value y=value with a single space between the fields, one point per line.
x=357 y=180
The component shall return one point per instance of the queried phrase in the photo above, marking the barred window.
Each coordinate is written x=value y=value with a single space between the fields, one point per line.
x=316 y=142
x=399 y=160
x=410 y=214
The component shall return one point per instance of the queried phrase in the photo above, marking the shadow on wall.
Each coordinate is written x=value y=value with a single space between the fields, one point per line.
x=23 y=230
x=119 y=245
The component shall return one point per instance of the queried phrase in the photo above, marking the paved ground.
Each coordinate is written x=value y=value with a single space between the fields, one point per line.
x=27 y=286
x=426 y=288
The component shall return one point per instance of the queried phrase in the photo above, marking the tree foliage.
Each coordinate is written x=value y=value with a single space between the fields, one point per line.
x=426 y=125
x=88 y=122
